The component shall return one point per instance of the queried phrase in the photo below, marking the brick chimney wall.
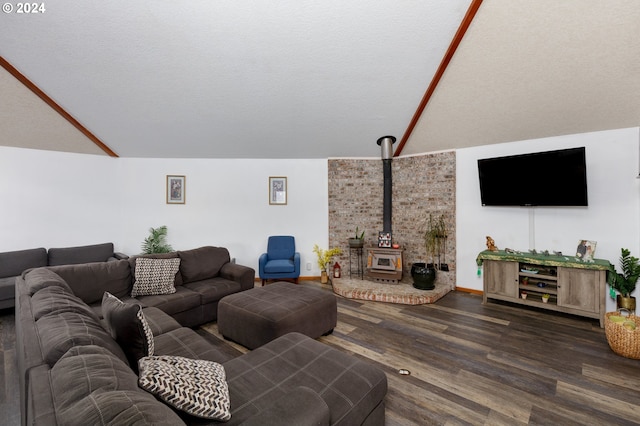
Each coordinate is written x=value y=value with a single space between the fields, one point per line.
x=421 y=185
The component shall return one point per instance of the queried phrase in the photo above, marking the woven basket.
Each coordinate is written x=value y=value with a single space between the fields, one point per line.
x=622 y=341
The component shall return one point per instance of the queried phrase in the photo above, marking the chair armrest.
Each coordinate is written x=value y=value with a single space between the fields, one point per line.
x=241 y=274
x=300 y=406
x=296 y=262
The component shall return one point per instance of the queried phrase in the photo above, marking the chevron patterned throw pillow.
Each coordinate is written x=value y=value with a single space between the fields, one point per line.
x=155 y=276
x=195 y=386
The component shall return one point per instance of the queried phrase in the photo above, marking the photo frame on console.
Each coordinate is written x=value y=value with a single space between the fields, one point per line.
x=176 y=189
x=278 y=190
x=586 y=250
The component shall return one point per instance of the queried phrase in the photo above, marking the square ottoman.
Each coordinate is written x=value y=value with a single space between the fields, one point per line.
x=257 y=316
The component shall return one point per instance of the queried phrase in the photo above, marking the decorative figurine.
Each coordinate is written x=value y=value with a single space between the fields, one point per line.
x=491 y=245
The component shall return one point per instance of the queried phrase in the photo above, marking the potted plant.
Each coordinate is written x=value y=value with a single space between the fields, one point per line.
x=358 y=240
x=545 y=298
x=523 y=294
x=156 y=241
x=324 y=258
x=435 y=237
x=435 y=234
x=625 y=283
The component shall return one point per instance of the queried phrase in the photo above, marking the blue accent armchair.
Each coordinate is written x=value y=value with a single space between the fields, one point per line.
x=281 y=261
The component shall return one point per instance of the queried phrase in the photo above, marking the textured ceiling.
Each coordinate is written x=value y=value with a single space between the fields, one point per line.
x=229 y=78
x=302 y=79
x=530 y=69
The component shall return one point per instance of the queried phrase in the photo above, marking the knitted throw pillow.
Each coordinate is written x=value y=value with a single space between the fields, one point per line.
x=195 y=386
x=155 y=276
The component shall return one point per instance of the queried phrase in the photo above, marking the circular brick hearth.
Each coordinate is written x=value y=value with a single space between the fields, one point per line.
x=403 y=292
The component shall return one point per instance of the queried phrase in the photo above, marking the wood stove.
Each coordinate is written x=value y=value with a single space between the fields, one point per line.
x=384 y=265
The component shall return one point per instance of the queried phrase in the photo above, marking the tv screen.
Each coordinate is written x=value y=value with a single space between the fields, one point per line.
x=551 y=178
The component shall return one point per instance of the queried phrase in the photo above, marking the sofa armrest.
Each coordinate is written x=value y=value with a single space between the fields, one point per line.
x=119 y=256
x=301 y=406
x=239 y=273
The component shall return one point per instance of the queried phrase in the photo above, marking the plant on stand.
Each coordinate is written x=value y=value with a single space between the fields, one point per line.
x=324 y=259
x=435 y=236
x=625 y=283
x=156 y=241
x=358 y=240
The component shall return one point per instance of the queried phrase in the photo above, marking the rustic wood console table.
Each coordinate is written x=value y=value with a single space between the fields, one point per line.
x=571 y=285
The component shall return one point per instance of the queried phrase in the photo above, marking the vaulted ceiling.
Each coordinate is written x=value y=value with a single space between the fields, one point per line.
x=314 y=79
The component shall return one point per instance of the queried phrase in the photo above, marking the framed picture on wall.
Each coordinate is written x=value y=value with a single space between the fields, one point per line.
x=176 y=189
x=278 y=190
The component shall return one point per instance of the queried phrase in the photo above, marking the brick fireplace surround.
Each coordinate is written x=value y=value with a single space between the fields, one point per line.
x=421 y=185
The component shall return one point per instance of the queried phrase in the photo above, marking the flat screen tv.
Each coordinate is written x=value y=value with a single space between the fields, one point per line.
x=550 y=178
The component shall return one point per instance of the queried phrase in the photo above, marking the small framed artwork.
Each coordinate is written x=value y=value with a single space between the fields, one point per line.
x=384 y=239
x=278 y=190
x=176 y=189
x=586 y=250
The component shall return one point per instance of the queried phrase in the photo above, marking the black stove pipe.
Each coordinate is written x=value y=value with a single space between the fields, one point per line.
x=386 y=143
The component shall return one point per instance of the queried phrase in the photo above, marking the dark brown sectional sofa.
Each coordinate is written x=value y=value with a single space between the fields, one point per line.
x=12 y=263
x=72 y=371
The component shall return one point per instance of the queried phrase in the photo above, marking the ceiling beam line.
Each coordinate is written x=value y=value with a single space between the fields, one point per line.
x=453 y=46
x=36 y=90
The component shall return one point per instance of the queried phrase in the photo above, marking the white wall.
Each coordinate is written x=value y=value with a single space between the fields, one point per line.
x=53 y=199
x=612 y=217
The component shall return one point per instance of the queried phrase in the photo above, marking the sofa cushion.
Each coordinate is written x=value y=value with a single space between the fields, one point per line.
x=7 y=288
x=182 y=300
x=89 y=281
x=194 y=386
x=80 y=254
x=214 y=289
x=56 y=300
x=12 y=263
x=159 y=322
x=154 y=276
x=300 y=406
x=172 y=255
x=39 y=278
x=62 y=331
x=202 y=263
x=127 y=324
x=189 y=344
x=351 y=388
x=90 y=386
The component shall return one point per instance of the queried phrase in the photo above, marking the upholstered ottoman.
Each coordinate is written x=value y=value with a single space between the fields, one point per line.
x=257 y=316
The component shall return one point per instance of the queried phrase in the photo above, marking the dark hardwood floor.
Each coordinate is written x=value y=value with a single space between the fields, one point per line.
x=470 y=364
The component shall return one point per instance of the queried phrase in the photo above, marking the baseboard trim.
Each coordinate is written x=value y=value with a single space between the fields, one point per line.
x=469 y=290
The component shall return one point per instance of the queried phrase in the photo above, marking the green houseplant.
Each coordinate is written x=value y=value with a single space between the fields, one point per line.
x=358 y=240
x=625 y=282
x=156 y=241
x=434 y=237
